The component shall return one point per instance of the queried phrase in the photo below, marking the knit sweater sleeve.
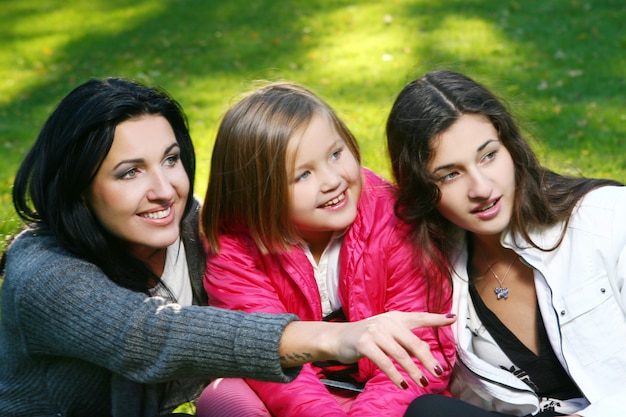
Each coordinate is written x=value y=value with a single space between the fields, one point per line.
x=63 y=306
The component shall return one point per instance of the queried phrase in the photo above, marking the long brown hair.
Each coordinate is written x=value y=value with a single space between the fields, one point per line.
x=248 y=182
x=427 y=107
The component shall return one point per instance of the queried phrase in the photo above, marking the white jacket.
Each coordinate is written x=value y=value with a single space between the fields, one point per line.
x=582 y=298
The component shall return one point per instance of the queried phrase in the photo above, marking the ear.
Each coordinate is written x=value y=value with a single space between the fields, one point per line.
x=85 y=199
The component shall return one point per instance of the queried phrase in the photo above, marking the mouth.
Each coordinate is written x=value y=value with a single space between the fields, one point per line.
x=487 y=207
x=335 y=201
x=161 y=214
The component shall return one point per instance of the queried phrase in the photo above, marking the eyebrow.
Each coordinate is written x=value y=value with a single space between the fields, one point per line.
x=480 y=148
x=141 y=160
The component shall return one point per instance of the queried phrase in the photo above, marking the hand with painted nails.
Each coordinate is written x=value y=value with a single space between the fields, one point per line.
x=380 y=338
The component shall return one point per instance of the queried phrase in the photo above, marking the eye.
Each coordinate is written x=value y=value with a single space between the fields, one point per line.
x=489 y=156
x=130 y=174
x=336 y=154
x=303 y=176
x=171 y=160
x=448 y=177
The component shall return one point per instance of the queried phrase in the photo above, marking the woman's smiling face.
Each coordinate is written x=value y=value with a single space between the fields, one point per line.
x=140 y=191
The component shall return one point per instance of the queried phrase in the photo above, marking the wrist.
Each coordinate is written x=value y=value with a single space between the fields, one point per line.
x=304 y=342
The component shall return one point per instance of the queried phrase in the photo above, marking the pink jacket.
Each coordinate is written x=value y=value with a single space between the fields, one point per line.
x=377 y=275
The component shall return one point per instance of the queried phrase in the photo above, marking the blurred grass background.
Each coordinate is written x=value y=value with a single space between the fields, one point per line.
x=561 y=64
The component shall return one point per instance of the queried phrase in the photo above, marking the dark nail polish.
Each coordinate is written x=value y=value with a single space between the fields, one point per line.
x=404 y=384
x=424 y=381
x=438 y=370
x=450 y=315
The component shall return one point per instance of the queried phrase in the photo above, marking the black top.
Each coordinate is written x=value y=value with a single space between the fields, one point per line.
x=543 y=372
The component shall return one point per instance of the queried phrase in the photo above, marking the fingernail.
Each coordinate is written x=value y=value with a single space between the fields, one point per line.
x=450 y=315
x=424 y=381
x=404 y=384
x=438 y=370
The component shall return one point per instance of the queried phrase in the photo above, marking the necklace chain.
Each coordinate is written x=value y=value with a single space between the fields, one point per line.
x=501 y=291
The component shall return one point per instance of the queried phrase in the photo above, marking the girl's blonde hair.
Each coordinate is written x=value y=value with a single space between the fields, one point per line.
x=248 y=181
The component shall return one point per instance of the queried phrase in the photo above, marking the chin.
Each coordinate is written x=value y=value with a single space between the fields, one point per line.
x=164 y=241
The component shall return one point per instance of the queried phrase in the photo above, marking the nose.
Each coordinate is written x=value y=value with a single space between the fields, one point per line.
x=161 y=188
x=481 y=186
x=330 y=179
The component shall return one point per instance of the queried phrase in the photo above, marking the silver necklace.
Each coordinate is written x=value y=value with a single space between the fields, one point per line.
x=501 y=291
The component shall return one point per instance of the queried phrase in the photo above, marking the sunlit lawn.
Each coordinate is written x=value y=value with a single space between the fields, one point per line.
x=559 y=63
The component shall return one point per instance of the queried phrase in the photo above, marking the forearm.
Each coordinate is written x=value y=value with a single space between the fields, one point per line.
x=304 y=342
x=147 y=339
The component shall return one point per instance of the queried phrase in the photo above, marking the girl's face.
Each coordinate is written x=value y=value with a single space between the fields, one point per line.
x=325 y=182
x=475 y=174
x=140 y=191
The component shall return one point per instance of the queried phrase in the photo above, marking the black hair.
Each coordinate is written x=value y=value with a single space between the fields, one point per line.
x=50 y=184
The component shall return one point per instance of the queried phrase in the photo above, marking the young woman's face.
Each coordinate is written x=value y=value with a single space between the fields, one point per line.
x=475 y=174
x=325 y=183
x=140 y=191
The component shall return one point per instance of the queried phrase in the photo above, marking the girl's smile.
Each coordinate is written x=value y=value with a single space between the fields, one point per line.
x=336 y=202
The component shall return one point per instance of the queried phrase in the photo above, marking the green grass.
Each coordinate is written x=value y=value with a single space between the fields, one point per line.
x=560 y=64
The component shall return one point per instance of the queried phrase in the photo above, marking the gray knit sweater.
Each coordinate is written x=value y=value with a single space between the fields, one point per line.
x=72 y=343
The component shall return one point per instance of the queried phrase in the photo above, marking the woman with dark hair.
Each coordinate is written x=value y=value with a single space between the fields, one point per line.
x=103 y=310
x=537 y=259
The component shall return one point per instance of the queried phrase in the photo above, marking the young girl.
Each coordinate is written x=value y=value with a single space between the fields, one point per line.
x=294 y=224
x=538 y=259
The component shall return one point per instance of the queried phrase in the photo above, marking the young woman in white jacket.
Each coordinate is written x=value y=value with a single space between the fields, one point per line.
x=537 y=259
